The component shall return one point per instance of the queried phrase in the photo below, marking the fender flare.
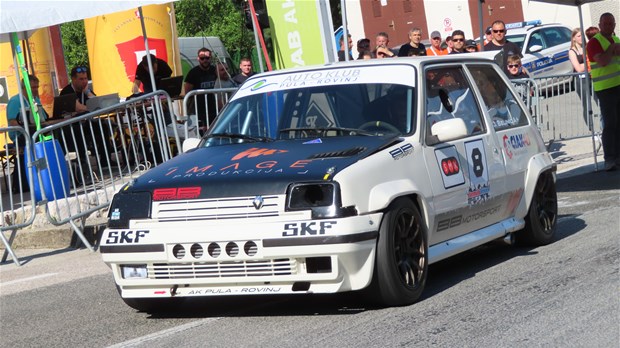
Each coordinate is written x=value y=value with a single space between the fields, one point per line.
x=537 y=165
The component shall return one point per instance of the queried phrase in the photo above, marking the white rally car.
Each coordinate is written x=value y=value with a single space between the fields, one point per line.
x=336 y=178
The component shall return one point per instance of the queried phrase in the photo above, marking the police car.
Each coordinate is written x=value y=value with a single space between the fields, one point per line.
x=353 y=176
x=544 y=47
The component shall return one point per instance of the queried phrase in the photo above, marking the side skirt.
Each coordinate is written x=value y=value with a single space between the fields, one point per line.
x=471 y=240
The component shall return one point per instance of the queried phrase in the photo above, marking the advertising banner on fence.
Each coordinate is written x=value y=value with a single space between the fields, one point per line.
x=116 y=46
x=299 y=30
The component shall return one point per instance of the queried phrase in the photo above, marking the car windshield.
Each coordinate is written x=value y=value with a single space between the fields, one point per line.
x=358 y=109
x=517 y=39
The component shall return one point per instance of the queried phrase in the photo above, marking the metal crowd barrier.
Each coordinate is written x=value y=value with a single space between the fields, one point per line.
x=81 y=162
x=205 y=104
x=16 y=205
x=560 y=106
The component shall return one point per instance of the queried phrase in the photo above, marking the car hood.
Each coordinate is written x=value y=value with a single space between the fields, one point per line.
x=259 y=167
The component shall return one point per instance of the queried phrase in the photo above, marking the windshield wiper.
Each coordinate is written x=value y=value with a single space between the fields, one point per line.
x=323 y=130
x=238 y=136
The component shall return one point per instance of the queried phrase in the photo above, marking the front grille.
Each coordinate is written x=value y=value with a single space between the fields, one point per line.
x=194 y=270
x=216 y=209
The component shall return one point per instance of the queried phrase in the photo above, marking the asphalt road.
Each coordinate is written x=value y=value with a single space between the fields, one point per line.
x=561 y=295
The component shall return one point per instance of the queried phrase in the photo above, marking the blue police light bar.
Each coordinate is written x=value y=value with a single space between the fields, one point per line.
x=523 y=24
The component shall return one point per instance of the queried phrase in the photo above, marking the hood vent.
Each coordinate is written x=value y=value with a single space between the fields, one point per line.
x=334 y=154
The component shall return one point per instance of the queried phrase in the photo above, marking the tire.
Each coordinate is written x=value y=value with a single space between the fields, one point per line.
x=541 y=219
x=401 y=264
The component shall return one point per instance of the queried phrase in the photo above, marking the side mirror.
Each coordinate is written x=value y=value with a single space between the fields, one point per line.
x=190 y=143
x=447 y=130
x=535 y=48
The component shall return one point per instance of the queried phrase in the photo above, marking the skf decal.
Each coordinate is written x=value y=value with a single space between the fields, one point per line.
x=449 y=167
x=163 y=194
x=125 y=237
x=516 y=144
x=402 y=151
x=255 y=152
x=307 y=228
x=478 y=175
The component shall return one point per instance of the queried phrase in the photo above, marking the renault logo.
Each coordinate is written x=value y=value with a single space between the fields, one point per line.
x=258 y=202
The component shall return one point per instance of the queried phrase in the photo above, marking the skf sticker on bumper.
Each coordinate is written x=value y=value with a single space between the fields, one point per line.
x=449 y=166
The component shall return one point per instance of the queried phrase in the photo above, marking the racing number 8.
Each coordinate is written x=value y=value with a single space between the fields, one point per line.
x=476 y=160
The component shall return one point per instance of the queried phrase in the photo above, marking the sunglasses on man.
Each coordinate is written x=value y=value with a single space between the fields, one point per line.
x=499 y=31
x=204 y=57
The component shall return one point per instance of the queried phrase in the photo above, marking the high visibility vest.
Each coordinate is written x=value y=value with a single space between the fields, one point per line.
x=604 y=77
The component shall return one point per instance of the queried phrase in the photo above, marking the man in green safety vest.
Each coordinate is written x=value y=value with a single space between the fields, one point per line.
x=604 y=55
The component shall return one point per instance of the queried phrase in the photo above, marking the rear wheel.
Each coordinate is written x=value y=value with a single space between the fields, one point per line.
x=541 y=220
x=401 y=263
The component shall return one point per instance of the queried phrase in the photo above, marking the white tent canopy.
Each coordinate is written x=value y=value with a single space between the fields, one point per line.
x=24 y=17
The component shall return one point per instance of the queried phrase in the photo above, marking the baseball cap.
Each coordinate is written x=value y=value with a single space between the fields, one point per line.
x=470 y=43
x=435 y=34
x=488 y=31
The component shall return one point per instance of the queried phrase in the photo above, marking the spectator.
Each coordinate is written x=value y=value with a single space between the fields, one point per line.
x=488 y=36
x=515 y=68
x=14 y=118
x=245 y=65
x=363 y=45
x=414 y=47
x=458 y=41
x=341 y=52
x=576 y=57
x=603 y=52
x=449 y=44
x=471 y=46
x=223 y=81
x=161 y=69
x=366 y=55
x=79 y=86
x=202 y=76
x=435 y=49
x=499 y=43
x=382 y=49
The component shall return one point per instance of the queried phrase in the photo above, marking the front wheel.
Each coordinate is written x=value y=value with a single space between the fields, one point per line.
x=541 y=219
x=401 y=265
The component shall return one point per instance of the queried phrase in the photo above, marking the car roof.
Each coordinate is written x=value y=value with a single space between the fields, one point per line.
x=415 y=61
x=517 y=30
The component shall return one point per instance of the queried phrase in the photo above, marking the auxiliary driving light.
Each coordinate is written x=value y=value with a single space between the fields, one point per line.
x=133 y=271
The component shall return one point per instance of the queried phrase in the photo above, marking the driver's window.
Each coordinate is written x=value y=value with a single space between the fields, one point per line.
x=535 y=39
x=449 y=95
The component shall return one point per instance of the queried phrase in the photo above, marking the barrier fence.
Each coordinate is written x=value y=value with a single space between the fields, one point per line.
x=85 y=160
x=89 y=158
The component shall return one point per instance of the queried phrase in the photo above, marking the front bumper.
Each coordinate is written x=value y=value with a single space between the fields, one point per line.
x=217 y=258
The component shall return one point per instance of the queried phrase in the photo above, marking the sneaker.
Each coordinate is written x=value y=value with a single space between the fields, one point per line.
x=610 y=166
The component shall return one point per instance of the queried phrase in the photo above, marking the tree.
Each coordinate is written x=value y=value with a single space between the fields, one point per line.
x=222 y=18
x=74 y=44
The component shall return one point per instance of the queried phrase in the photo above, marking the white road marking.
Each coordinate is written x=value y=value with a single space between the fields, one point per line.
x=163 y=333
x=28 y=279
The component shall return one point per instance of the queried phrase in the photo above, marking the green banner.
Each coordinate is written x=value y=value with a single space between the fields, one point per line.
x=296 y=32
